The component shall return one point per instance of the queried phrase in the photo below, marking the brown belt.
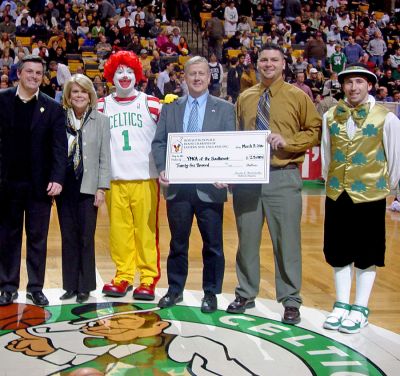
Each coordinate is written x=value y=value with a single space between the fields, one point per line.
x=290 y=166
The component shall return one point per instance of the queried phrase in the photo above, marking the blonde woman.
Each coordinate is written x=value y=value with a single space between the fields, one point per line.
x=88 y=175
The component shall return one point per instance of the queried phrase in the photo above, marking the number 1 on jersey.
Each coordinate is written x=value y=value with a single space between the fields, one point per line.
x=126 y=147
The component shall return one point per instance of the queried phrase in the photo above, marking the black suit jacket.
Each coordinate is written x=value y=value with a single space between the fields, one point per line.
x=48 y=141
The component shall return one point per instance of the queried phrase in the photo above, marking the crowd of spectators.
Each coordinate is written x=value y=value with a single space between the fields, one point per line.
x=59 y=30
x=319 y=38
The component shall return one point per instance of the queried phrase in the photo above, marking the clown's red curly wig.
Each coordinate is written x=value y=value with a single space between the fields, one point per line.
x=127 y=58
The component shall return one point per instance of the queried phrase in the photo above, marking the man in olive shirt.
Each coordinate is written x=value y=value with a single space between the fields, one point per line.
x=295 y=127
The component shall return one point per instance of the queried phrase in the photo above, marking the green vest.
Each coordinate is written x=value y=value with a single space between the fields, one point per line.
x=358 y=166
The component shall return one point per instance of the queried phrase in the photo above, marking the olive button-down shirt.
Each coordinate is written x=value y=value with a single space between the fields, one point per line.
x=293 y=115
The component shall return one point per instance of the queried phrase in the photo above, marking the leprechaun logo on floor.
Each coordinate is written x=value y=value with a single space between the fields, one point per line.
x=129 y=339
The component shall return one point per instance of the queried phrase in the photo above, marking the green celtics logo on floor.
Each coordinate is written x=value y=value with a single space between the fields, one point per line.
x=140 y=339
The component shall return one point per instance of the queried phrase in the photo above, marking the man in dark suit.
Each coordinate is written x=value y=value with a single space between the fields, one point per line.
x=198 y=112
x=33 y=157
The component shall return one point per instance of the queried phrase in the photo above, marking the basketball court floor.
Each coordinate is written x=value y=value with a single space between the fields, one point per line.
x=127 y=337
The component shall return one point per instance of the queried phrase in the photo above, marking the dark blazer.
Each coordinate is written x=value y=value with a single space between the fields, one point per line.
x=219 y=116
x=48 y=141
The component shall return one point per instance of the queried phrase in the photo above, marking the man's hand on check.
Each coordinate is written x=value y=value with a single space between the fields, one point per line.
x=276 y=141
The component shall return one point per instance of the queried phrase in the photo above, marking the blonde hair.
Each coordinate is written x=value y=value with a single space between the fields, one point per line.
x=86 y=84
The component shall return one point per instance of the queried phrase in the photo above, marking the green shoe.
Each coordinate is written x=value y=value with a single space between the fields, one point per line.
x=351 y=325
x=333 y=321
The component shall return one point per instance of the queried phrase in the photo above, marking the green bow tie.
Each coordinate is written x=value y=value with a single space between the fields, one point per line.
x=359 y=113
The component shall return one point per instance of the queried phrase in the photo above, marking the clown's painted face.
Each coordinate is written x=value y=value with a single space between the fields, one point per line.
x=124 y=81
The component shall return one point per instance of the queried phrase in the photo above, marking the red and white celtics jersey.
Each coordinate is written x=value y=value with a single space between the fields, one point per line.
x=133 y=124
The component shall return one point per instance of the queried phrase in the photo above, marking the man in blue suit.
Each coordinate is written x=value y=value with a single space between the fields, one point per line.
x=197 y=112
x=33 y=159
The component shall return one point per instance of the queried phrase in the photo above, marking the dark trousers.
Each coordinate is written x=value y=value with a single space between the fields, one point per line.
x=77 y=216
x=363 y=227
x=15 y=204
x=215 y=47
x=180 y=212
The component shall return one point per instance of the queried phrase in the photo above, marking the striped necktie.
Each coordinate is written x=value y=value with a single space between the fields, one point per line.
x=193 y=124
x=263 y=109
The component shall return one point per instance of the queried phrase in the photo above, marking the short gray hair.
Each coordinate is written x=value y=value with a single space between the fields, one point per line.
x=86 y=84
x=196 y=60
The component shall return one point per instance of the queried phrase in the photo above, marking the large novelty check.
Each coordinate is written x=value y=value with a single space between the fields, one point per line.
x=223 y=157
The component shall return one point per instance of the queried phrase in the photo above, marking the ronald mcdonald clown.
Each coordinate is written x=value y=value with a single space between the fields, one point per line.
x=133 y=198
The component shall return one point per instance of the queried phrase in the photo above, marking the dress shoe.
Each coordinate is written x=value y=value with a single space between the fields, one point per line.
x=209 y=303
x=240 y=304
x=144 y=292
x=7 y=298
x=82 y=297
x=170 y=299
x=68 y=295
x=291 y=316
x=38 y=298
x=117 y=289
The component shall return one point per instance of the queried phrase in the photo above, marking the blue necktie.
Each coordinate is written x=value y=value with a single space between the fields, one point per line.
x=263 y=109
x=193 y=124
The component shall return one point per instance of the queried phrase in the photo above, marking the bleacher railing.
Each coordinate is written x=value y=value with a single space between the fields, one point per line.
x=192 y=30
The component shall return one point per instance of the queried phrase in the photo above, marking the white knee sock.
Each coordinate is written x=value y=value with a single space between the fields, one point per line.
x=343 y=277
x=364 y=282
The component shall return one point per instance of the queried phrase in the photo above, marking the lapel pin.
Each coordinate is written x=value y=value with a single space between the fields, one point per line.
x=41 y=109
x=212 y=110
